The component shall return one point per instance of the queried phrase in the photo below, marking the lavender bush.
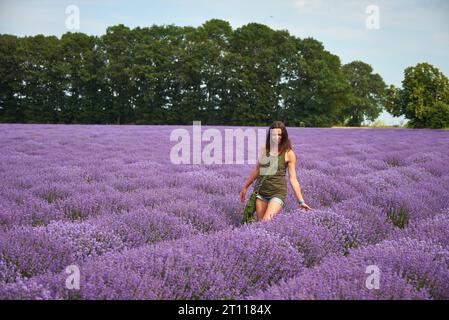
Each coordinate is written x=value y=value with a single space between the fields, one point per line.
x=410 y=269
x=108 y=200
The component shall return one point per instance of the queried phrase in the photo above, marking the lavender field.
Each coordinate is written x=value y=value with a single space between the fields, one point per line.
x=108 y=199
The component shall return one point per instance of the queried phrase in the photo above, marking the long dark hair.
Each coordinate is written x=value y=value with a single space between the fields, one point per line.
x=285 y=144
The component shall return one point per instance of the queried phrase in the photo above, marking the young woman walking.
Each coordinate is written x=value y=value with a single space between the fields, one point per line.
x=273 y=191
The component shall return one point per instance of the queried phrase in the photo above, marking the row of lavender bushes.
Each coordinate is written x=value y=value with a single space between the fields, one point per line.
x=108 y=200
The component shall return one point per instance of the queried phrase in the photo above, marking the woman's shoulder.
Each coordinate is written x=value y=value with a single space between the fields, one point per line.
x=289 y=155
x=262 y=151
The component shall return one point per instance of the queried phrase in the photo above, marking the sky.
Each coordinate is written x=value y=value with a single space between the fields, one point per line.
x=389 y=35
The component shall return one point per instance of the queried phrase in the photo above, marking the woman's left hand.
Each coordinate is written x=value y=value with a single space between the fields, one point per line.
x=305 y=206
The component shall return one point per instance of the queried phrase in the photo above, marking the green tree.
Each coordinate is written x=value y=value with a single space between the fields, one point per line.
x=253 y=72
x=423 y=99
x=42 y=83
x=317 y=90
x=11 y=71
x=119 y=46
x=167 y=74
x=367 y=93
x=83 y=69
x=213 y=46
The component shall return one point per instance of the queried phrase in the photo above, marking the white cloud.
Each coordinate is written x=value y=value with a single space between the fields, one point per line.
x=299 y=3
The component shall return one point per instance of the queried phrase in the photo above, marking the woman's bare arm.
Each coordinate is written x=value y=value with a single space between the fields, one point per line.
x=292 y=175
x=255 y=172
x=253 y=175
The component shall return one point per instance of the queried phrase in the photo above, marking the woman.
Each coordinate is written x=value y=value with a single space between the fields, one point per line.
x=273 y=190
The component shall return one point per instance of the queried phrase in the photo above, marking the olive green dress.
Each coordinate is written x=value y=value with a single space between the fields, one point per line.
x=274 y=185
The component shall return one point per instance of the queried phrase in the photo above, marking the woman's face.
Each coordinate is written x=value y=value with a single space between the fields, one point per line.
x=276 y=135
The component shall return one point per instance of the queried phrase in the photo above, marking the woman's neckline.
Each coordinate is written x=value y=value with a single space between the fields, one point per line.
x=275 y=155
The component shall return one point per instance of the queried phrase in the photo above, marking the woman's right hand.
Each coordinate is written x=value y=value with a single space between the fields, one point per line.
x=242 y=195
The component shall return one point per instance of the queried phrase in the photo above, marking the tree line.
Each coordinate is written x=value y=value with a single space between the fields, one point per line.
x=174 y=75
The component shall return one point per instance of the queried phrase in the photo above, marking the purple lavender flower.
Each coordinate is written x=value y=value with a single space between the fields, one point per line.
x=108 y=199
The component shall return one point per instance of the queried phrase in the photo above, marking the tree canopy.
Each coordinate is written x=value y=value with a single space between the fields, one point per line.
x=423 y=98
x=168 y=74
